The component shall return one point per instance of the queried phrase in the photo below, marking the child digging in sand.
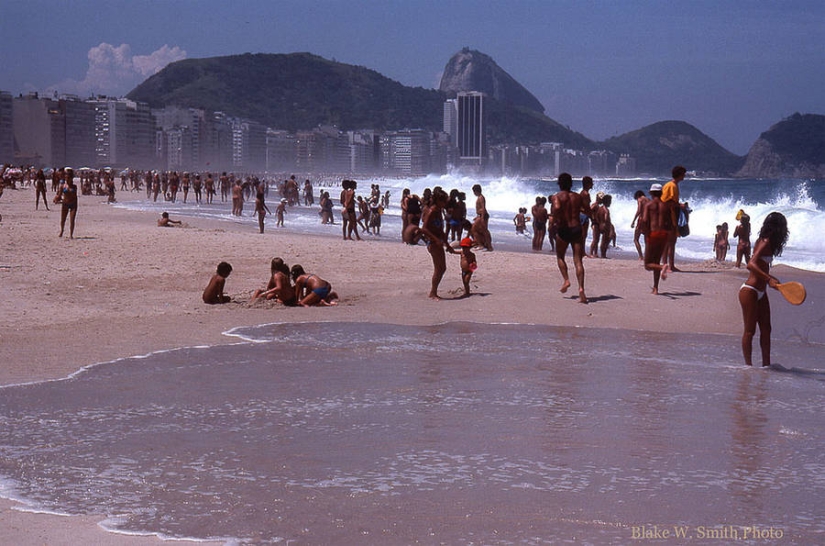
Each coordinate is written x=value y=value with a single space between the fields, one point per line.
x=213 y=293
x=468 y=263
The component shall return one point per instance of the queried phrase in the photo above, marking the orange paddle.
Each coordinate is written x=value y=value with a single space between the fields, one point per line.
x=793 y=291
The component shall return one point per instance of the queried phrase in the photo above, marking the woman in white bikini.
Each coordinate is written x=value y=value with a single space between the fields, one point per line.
x=753 y=297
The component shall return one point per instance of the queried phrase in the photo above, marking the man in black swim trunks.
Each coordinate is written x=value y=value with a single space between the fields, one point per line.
x=567 y=207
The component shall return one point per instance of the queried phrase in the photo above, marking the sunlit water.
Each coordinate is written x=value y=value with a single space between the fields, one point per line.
x=330 y=433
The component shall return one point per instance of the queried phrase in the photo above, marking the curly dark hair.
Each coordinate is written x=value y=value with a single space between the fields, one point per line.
x=775 y=230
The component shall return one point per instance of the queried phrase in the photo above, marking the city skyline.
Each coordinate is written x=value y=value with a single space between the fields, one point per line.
x=732 y=69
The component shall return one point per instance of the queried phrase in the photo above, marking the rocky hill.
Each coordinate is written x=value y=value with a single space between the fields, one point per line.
x=793 y=148
x=295 y=91
x=660 y=146
x=470 y=70
x=302 y=91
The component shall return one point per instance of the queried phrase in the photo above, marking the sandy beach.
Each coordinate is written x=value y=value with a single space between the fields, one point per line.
x=125 y=287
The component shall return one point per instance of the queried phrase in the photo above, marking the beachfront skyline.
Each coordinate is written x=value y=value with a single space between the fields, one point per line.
x=732 y=69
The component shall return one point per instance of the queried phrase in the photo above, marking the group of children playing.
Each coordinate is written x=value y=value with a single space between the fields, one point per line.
x=304 y=289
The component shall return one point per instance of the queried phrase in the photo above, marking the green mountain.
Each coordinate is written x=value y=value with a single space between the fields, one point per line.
x=794 y=147
x=302 y=91
x=660 y=146
x=292 y=92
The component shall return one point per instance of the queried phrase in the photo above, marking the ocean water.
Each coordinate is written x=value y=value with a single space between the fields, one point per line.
x=457 y=433
x=713 y=201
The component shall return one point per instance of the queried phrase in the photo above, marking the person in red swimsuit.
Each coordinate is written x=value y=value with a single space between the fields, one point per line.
x=657 y=225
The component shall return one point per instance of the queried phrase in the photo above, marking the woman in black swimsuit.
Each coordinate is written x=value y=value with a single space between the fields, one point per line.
x=433 y=230
x=69 y=200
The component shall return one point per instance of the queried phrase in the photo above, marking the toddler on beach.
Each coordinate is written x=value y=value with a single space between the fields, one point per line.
x=468 y=263
x=213 y=293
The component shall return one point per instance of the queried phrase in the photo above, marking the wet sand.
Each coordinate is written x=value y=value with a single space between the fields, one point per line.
x=124 y=287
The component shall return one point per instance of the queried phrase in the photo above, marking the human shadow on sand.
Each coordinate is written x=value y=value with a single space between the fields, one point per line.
x=597 y=299
x=677 y=295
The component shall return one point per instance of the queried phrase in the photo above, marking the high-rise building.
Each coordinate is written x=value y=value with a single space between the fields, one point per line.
x=39 y=131
x=472 y=140
x=280 y=151
x=407 y=152
x=6 y=129
x=451 y=120
x=80 y=132
x=124 y=133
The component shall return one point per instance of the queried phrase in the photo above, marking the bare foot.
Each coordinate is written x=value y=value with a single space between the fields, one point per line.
x=665 y=271
x=582 y=297
x=435 y=297
x=655 y=291
x=564 y=287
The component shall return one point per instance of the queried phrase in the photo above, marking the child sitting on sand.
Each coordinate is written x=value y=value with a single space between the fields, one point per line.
x=468 y=263
x=213 y=293
x=165 y=221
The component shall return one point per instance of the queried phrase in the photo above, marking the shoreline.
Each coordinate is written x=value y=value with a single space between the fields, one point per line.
x=125 y=287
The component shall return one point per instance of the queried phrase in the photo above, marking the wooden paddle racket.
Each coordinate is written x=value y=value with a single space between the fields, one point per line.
x=792 y=291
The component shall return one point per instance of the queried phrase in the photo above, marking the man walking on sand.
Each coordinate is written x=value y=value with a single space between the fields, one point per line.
x=656 y=226
x=567 y=206
x=670 y=195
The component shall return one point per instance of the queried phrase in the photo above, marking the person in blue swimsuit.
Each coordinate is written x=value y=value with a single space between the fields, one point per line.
x=753 y=297
x=311 y=289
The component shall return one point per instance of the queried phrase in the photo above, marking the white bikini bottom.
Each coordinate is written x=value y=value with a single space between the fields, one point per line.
x=759 y=293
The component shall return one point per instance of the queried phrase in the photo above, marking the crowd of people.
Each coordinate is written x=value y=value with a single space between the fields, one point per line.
x=440 y=220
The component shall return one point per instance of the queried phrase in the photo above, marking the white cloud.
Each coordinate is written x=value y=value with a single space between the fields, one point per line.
x=148 y=65
x=115 y=71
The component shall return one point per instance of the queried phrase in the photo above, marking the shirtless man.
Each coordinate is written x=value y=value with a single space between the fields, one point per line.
x=670 y=194
x=641 y=201
x=587 y=185
x=657 y=225
x=567 y=207
x=481 y=212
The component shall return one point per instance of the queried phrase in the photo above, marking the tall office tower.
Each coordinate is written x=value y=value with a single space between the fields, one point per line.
x=472 y=141
x=124 y=133
x=6 y=129
x=80 y=131
x=451 y=120
x=39 y=131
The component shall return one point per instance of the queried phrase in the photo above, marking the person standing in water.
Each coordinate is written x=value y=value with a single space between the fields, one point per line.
x=753 y=294
x=743 y=233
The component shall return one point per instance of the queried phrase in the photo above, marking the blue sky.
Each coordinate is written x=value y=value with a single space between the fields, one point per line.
x=731 y=68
